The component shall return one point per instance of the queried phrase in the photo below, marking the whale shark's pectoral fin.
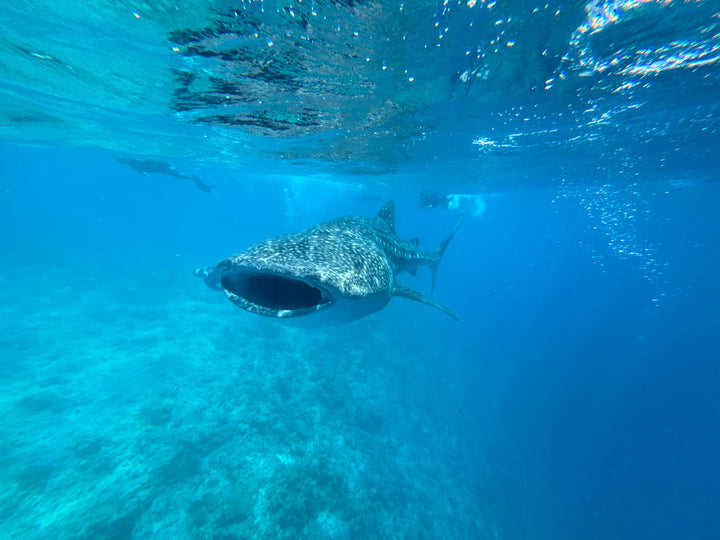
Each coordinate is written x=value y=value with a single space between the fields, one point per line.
x=405 y=292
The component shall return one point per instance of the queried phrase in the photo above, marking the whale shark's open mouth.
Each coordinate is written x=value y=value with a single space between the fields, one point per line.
x=273 y=295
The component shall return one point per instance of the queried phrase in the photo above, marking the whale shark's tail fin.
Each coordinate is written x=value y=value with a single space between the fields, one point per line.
x=406 y=292
x=438 y=253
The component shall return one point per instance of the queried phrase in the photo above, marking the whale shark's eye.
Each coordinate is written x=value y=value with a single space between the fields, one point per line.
x=272 y=291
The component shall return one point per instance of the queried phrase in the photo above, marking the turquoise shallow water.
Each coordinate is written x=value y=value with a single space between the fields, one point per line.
x=577 y=387
x=575 y=398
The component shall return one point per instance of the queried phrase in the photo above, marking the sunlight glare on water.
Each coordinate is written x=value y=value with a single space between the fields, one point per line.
x=370 y=87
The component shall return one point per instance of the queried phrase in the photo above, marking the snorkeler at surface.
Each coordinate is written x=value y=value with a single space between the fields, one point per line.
x=474 y=204
x=433 y=199
x=148 y=166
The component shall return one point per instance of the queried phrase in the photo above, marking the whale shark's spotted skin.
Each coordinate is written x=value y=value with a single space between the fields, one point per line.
x=346 y=253
x=336 y=271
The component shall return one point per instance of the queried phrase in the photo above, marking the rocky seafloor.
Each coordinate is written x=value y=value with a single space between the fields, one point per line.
x=135 y=409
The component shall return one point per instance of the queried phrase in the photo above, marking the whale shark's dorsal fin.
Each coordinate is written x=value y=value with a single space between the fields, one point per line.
x=387 y=215
x=406 y=292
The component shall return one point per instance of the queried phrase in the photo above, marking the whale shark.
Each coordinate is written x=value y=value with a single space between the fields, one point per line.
x=334 y=272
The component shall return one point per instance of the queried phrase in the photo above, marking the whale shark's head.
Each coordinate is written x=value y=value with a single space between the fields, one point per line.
x=326 y=274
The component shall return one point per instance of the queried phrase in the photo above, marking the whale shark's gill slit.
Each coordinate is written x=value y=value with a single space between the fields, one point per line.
x=273 y=291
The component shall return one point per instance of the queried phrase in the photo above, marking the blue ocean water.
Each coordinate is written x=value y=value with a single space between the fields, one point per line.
x=577 y=395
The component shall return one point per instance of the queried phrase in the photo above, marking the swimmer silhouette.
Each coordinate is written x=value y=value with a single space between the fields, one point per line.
x=149 y=166
x=473 y=203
